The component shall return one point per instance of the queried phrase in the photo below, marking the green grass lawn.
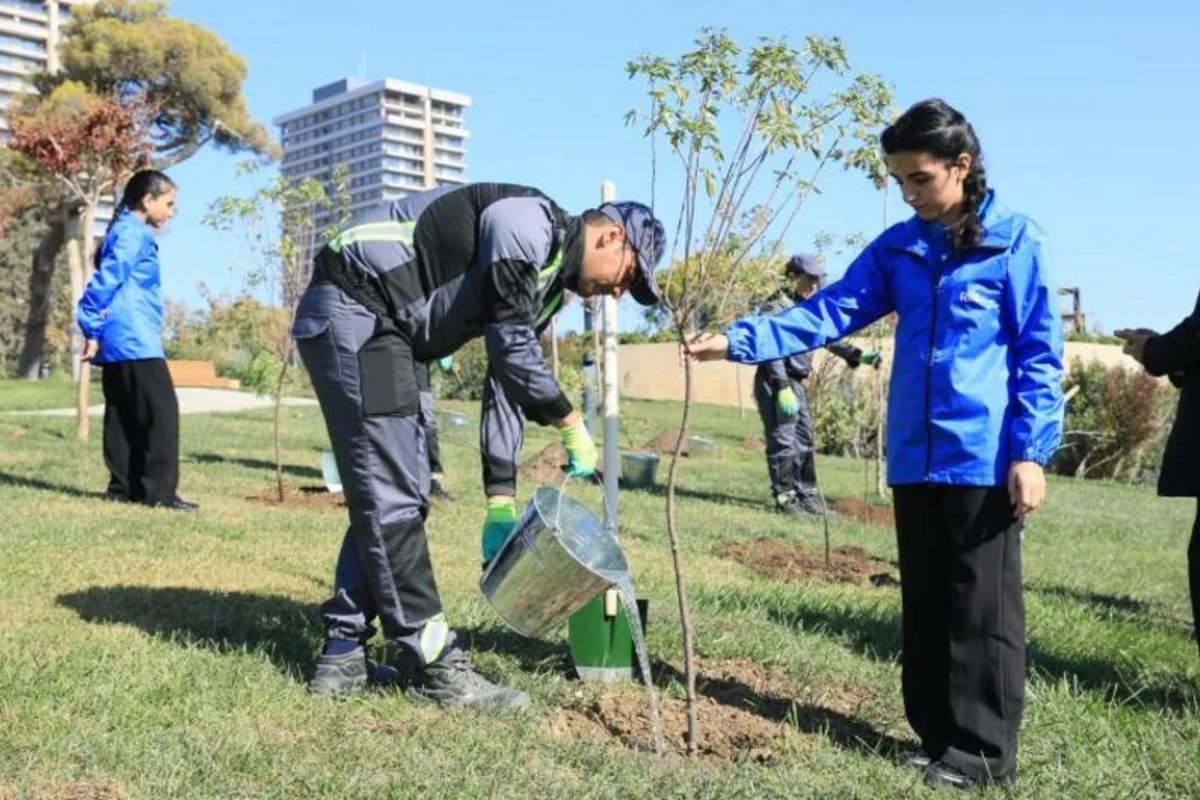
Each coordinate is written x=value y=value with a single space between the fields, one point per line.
x=152 y=655
x=55 y=392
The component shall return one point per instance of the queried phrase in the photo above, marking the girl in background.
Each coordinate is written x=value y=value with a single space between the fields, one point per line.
x=121 y=315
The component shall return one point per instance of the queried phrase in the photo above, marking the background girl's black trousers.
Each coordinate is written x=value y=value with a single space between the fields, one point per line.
x=964 y=624
x=141 y=431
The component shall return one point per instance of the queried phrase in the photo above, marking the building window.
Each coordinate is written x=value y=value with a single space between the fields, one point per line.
x=20 y=43
x=36 y=28
x=17 y=61
x=16 y=85
x=30 y=5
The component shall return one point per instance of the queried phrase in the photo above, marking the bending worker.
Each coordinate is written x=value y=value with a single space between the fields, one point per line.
x=433 y=271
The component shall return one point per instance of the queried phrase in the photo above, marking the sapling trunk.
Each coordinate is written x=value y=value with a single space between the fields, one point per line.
x=685 y=616
x=279 y=384
x=78 y=252
x=760 y=182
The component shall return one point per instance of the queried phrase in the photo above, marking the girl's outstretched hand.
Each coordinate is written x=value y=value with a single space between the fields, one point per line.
x=704 y=347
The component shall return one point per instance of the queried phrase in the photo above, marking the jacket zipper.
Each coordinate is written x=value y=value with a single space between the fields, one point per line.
x=937 y=279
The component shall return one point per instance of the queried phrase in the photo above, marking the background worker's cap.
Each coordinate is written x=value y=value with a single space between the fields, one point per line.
x=805 y=264
x=646 y=236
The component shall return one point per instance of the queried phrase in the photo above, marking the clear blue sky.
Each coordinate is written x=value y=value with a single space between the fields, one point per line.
x=1086 y=110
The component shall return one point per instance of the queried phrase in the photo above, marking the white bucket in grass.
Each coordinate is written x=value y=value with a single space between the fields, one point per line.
x=329 y=472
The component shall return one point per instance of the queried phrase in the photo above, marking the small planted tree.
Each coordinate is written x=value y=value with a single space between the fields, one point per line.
x=747 y=131
x=279 y=229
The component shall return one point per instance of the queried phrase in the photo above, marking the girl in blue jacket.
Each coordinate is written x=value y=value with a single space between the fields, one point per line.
x=974 y=415
x=121 y=314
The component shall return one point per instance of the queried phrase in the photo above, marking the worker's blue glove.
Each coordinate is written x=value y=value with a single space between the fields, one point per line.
x=498 y=525
x=446 y=363
x=582 y=457
x=787 y=402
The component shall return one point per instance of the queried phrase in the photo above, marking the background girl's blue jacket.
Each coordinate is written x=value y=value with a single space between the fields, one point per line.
x=121 y=307
x=977 y=373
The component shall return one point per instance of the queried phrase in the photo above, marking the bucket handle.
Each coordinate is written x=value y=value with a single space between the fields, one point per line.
x=562 y=491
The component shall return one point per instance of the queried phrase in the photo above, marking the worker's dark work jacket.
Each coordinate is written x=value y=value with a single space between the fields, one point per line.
x=449 y=265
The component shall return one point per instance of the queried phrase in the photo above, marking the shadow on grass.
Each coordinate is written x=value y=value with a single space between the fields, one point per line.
x=531 y=655
x=7 y=479
x=294 y=470
x=1122 y=607
x=660 y=490
x=763 y=504
x=1102 y=602
x=1124 y=685
x=875 y=633
x=280 y=627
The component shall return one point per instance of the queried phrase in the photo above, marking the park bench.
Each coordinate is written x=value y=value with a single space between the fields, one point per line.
x=198 y=374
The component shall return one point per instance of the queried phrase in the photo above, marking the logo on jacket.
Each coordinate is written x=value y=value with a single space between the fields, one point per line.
x=973 y=297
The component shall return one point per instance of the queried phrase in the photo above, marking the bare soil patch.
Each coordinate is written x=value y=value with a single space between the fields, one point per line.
x=753 y=444
x=317 y=497
x=545 y=467
x=745 y=708
x=781 y=560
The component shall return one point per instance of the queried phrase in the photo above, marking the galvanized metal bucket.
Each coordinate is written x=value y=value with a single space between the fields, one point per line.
x=638 y=470
x=557 y=559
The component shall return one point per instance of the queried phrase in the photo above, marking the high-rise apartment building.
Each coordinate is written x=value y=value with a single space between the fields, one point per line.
x=29 y=36
x=393 y=139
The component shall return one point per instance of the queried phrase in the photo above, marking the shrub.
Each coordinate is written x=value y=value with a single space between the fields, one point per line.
x=1115 y=423
x=845 y=409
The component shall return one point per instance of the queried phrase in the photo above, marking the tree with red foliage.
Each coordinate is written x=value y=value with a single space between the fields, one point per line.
x=88 y=143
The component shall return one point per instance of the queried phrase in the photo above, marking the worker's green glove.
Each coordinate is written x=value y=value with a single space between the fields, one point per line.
x=498 y=525
x=787 y=403
x=446 y=363
x=581 y=451
x=871 y=358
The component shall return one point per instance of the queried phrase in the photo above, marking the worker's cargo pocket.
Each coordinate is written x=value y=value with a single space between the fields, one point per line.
x=386 y=378
x=309 y=327
x=319 y=302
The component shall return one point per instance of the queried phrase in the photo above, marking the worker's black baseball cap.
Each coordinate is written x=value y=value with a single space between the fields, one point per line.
x=645 y=235
x=805 y=264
